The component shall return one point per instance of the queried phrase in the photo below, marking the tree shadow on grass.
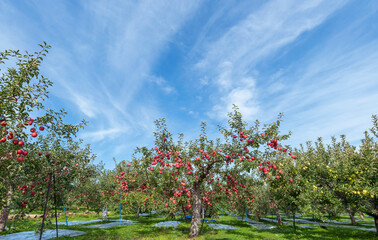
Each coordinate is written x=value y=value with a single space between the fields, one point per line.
x=144 y=229
x=246 y=231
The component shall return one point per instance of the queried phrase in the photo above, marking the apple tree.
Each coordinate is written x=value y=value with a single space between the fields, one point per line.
x=22 y=92
x=188 y=169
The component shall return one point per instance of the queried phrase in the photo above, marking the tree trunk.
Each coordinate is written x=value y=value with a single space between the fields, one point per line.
x=279 y=220
x=258 y=215
x=5 y=210
x=105 y=213
x=295 y=230
x=351 y=215
x=138 y=211
x=196 y=217
x=361 y=215
x=184 y=213
x=375 y=216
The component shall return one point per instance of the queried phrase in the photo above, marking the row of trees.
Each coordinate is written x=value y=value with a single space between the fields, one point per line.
x=38 y=150
x=247 y=169
x=243 y=173
x=329 y=179
x=321 y=180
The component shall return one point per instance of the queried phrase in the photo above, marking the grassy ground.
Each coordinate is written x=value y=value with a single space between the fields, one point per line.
x=345 y=220
x=144 y=230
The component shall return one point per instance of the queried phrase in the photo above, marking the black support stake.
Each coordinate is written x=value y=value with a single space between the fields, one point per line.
x=44 y=212
x=56 y=216
x=202 y=226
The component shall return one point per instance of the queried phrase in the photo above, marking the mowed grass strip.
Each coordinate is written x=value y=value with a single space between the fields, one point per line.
x=144 y=230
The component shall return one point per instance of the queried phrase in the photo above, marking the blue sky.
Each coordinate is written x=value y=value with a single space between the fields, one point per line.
x=122 y=64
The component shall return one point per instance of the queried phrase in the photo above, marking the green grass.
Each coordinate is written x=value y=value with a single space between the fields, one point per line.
x=144 y=230
x=344 y=219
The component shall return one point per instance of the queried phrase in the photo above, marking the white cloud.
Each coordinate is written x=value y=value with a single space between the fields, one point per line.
x=105 y=57
x=242 y=96
x=134 y=35
x=141 y=36
x=276 y=24
x=100 y=57
x=162 y=83
x=335 y=94
x=224 y=80
x=231 y=59
x=120 y=148
x=101 y=134
x=204 y=81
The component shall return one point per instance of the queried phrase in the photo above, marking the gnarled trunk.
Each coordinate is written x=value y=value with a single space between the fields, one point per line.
x=351 y=215
x=279 y=220
x=5 y=210
x=4 y=217
x=196 y=216
x=376 y=223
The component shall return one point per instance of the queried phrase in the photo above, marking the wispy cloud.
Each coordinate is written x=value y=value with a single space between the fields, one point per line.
x=139 y=34
x=335 y=94
x=230 y=60
x=123 y=64
x=140 y=37
x=102 y=57
x=101 y=134
x=162 y=84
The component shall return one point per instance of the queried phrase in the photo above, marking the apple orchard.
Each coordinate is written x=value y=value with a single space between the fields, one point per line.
x=248 y=169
